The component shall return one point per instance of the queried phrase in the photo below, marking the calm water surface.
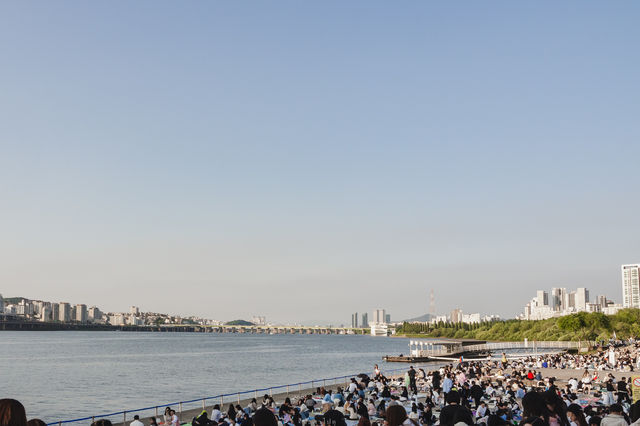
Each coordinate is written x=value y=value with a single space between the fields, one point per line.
x=60 y=375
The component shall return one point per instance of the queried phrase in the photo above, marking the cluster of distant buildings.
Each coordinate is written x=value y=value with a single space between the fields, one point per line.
x=458 y=316
x=381 y=324
x=562 y=302
x=63 y=312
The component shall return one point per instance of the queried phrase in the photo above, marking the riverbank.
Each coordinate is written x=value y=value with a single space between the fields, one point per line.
x=20 y=325
x=579 y=326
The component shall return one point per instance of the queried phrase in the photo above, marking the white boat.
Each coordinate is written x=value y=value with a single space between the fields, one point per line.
x=379 y=329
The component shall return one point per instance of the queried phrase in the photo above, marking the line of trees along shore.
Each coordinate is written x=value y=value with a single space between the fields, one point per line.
x=579 y=326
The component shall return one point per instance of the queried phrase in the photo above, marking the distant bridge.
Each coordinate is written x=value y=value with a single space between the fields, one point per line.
x=14 y=324
x=260 y=329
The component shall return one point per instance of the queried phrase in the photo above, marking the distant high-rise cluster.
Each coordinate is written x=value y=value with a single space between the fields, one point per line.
x=64 y=312
x=380 y=320
x=562 y=302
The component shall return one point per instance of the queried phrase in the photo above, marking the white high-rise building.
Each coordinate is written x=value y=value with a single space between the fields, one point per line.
x=581 y=299
x=64 y=312
x=81 y=313
x=630 y=286
x=95 y=314
x=557 y=298
x=379 y=316
x=542 y=298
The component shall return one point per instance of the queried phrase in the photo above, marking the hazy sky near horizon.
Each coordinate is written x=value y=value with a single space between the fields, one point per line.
x=305 y=160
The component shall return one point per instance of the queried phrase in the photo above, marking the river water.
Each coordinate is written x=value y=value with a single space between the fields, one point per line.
x=62 y=375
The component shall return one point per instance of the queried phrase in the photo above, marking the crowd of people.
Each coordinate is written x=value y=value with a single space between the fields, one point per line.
x=485 y=392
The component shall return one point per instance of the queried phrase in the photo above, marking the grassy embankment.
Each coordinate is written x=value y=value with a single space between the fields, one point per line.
x=580 y=326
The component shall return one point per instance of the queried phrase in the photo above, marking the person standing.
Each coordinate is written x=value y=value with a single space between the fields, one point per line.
x=412 y=380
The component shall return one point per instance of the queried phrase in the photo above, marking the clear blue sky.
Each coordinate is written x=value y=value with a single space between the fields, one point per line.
x=304 y=160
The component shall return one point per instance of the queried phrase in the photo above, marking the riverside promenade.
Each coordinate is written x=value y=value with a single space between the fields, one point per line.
x=562 y=376
x=186 y=410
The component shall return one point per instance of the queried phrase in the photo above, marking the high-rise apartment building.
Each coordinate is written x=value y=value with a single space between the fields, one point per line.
x=378 y=316
x=557 y=298
x=630 y=286
x=81 y=313
x=64 y=312
x=542 y=297
x=354 y=320
x=602 y=301
x=365 y=320
x=95 y=314
x=55 y=312
x=581 y=299
x=456 y=315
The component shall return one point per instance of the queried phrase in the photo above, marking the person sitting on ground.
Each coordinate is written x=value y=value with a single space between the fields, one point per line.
x=333 y=418
x=576 y=415
x=449 y=411
x=396 y=415
x=534 y=406
x=136 y=421
x=102 y=422
x=167 y=415
x=12 y=413
x=615 y=417
x=202 y=420
x=264 y=417
x=174 y=418
x=36 y=422
x=216 y=414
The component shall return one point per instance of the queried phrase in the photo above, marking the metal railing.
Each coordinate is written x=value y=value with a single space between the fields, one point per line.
x=219 y=399
x=495 y=346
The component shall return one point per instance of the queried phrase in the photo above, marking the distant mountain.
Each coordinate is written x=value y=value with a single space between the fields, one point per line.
x=422 y=318
x=239 y=322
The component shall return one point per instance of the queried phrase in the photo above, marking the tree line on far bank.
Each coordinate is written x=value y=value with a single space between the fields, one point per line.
x=592 y=326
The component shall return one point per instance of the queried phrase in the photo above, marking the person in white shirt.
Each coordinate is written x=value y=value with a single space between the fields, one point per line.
x=216 y=414
x=174 y=419
x=136 y=421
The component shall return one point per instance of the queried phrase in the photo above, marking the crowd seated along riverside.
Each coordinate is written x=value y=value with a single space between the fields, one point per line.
x=558 y=390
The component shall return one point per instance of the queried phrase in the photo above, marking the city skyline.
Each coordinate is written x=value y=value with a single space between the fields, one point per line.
x=191 y=157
